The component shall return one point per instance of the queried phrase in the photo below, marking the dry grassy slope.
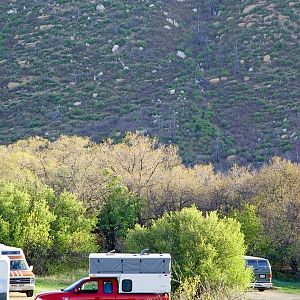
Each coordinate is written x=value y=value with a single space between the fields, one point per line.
x=233 y=98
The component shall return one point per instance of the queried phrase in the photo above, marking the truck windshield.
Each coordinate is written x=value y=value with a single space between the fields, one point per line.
x=19 y=265
x=73 y=286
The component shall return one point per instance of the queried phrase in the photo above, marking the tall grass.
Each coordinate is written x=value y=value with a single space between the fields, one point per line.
x=193 y=289
x=60 y=280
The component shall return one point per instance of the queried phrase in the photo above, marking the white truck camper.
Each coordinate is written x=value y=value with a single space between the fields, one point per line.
x=138 y=273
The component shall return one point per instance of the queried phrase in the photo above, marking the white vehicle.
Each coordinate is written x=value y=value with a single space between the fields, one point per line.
x=21 y=277
x=262 y=272
x=120 y=277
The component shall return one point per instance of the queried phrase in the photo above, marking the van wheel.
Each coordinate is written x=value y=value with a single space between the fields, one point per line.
x=261 y=289
x=29 y=293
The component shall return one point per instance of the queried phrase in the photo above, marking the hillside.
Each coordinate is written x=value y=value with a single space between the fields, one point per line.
x=216 y=77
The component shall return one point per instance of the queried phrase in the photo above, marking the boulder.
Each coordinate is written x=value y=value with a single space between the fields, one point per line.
x=115 y=48
x=267 y=58
x=248 y=8
x=215 y=80
x=181 y=54
x=43 y=17
x=100 y=7
x=13 y=85
x=22 y=63
x=12 y=11
x=46 y=27
x=173 y=22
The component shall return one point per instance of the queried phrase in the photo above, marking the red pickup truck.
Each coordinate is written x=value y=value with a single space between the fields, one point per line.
x=120 y=276
x=98 y=289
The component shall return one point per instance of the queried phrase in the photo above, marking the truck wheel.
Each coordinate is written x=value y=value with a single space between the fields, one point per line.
x=29 y=293
x=261 y=289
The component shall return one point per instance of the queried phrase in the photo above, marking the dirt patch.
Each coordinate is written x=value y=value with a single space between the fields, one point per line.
x=271 y=295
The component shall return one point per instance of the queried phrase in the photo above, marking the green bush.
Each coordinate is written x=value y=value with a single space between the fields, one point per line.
x=205 y=246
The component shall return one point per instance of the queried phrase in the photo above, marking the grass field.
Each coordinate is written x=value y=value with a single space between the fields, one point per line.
x=287 y=286
x=59 y=281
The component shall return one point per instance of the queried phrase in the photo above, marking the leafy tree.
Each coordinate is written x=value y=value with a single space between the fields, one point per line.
x=119 y=212
x=72 y=228
x=46 y=226
x=140 y=161
x=278 y=202
x=14 y=209
x=209 y=247
x=37 y=239
x=252 y=227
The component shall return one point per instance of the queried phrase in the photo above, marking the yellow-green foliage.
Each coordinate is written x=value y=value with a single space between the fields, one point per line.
x=45 y=225
x=155 y=173
x=206 y=246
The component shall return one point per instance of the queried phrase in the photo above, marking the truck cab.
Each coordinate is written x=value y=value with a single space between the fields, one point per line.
x=22 y=278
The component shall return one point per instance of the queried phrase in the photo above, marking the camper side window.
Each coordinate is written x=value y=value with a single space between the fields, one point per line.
x=126 y=285
x=107 y=287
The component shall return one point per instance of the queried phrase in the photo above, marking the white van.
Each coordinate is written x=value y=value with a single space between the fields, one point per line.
x=262 y=272
x=21 y=277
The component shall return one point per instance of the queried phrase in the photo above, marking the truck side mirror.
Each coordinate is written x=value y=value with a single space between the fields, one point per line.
x=30 y=268
x=76 y=291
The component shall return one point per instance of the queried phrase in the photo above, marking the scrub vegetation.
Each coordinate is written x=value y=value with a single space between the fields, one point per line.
x=218 y=78
x=61 y=200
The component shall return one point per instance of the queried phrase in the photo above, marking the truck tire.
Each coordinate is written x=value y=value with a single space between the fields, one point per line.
x=261 y=289
x=29 y=293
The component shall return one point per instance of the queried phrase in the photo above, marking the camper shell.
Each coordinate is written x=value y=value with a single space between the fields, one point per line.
x=21 y=277
x=147 y=273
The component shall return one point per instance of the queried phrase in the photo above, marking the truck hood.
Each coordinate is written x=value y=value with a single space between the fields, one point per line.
x=49 y=293
x=18 y=273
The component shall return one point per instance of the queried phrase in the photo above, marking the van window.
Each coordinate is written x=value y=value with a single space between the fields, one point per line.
x=126 y=285
x=252 y=263
x=263 y=264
